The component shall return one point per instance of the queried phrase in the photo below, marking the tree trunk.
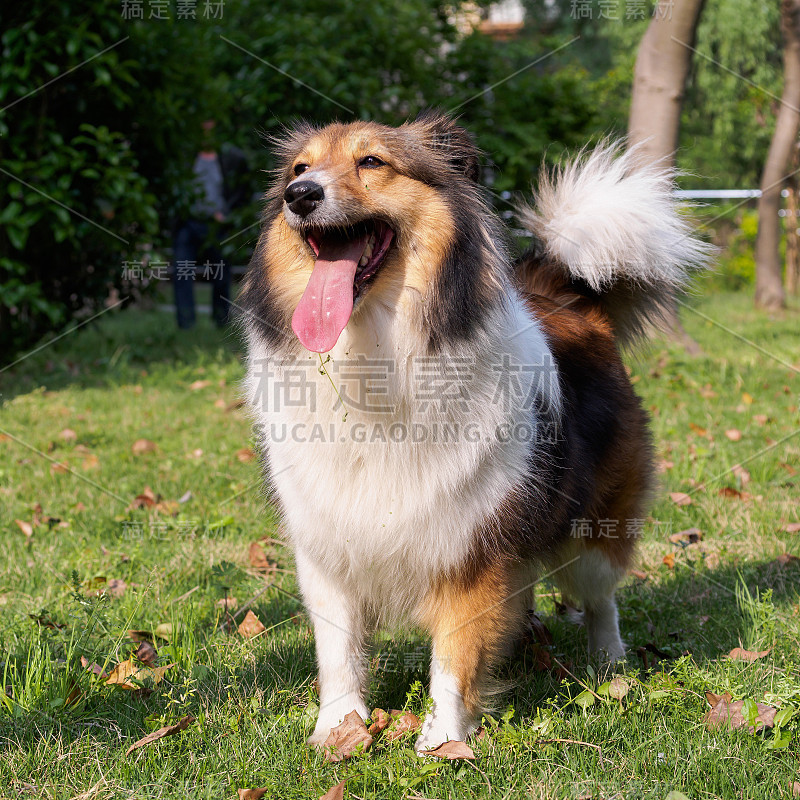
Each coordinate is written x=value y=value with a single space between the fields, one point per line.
x=769 y=284
x=792 y=239
x=659 y=84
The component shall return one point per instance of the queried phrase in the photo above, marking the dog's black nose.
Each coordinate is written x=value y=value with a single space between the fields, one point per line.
x=303 y=197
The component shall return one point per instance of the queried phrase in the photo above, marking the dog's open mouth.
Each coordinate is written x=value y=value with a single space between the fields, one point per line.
x=348 y=259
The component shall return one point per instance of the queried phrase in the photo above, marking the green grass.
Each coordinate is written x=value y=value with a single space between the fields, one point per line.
x=129 y=377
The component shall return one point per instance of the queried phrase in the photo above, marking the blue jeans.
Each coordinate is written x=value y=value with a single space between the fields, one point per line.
x=190 y=239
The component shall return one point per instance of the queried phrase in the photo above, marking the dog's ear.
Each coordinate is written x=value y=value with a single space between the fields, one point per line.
x=453 y=142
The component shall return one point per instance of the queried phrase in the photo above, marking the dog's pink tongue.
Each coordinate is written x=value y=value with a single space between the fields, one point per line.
x=327 y=303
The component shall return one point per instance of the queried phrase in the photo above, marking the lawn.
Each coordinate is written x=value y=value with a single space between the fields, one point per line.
x=102 y=538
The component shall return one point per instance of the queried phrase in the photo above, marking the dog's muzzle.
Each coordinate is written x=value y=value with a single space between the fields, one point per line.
x=303 y=197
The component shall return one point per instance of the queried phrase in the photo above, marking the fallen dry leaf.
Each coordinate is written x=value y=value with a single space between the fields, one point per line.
x=792 y=527
x=452 y=750
x=245 y=455
x=169 y=730
x=146 y=499
x=618 y=688
x=724 y=712
x=140 y=636
x=252 y=794
x=734 y=435
x=127 y=675
x=91 y=461
x=405 y=723
x=349 y=737
x=258 y=558
x=93 y=667
x=146 y=653
x=740 y=654
x=25 y=527
x=669 y=560
x=59 y=467
x=741 y=473
x=227 y=603
x=199 y=385
x=116 y=587
x=335 y=792
x=637 y=573
x=541 y=633
x=380 y=720
x=689 y=536
x=143 y=446
x=251 y=626
x=680 y=498
x=68 y=435
x=698 y=430
x=729 y=491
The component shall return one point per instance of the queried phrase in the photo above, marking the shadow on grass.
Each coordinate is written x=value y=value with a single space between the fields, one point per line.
x=121 y=347
x=692 y=610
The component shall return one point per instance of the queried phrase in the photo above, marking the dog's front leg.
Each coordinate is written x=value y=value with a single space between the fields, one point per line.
x=340 y=631
x=472 y=621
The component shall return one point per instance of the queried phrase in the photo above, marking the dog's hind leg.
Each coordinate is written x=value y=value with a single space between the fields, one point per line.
x=340 y=631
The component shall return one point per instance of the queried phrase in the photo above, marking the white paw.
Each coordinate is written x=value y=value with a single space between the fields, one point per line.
x=435 y=733
x=333 y=715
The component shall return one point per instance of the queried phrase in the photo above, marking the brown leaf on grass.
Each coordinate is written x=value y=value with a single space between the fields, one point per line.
x=734 y=434
x=258 y=558
x=680 y=498
x=127 y=675
x=146 y=653
x=169 y=730
x=380 y=721
x=792 y=527
x=637 y=573
x=725 y=712
x=141 y=446
x=405 y=723
x=25 y=527
x=59 y=467
x=740 y=654
x=618 y=688
x=741 y=473
x=784 y=559
x=541 y=633
x=245 y=455
x=141 y=636
x=91 y=461
x=733 y=494
x=116 y=587
x=227 y=603
x=251 y=626
x=349 y=737
x=252 y=794
x=698 y=430
x=689 y=536
x=669 y=560
x=788 y=467
x=93 y=667
x=452 y=750
x=68 y=435
x=335 y=792
x=197 y=385
x=663 y=464
x=147 y=499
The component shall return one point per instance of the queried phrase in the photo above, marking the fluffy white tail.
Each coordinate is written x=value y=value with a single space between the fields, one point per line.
x=611 y=222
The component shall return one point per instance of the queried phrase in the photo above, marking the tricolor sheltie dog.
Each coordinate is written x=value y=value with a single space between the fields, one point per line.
x=443 y=425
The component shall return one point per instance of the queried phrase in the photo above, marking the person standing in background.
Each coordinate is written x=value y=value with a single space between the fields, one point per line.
x=217 y=178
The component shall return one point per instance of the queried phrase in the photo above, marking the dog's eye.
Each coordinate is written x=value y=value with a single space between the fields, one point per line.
x=371 y=162
x=299 y=169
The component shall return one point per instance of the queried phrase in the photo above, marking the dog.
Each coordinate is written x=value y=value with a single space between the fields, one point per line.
x=442 y=425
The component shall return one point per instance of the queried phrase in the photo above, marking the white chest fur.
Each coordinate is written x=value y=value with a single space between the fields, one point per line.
x=387 y=461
